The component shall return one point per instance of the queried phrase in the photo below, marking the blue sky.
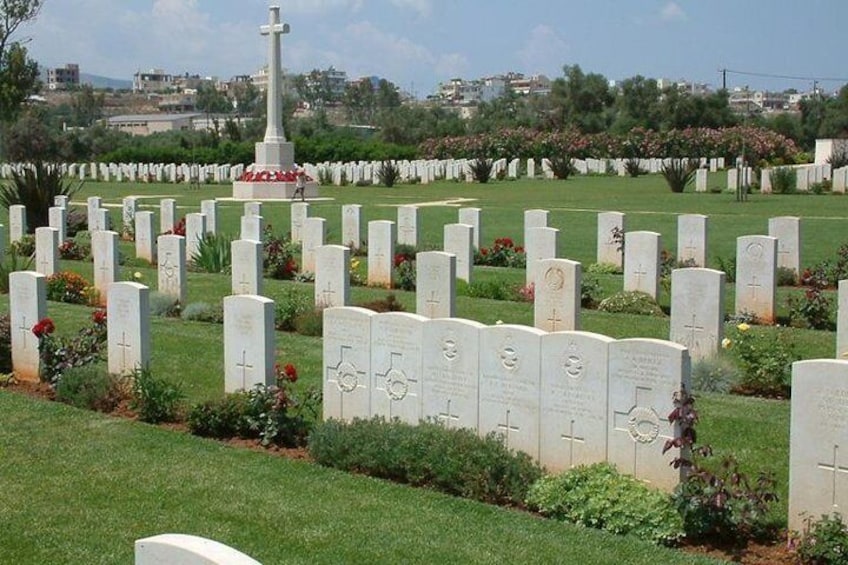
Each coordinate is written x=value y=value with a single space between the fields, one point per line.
x=418 y=43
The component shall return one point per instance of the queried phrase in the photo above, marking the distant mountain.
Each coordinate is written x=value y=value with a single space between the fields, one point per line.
x=105 y=82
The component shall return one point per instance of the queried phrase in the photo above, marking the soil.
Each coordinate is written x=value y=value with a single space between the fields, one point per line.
x=751 y=553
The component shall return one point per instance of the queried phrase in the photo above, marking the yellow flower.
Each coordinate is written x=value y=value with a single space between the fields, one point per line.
x=137 y=275
x=354 y=264
x=743 y=327
x=726 y=343
x=499 y=322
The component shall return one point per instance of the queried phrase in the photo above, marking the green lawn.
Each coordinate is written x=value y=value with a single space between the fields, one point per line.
x=78 y=487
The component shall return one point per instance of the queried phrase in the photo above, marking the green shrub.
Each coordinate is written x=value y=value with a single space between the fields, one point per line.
x=598 y=496
x=494 y=289
x=631 y=302
x=481 y=169
x=455 y=461
x=11 y=263
x=213 y=253
x=603 y=269
x=70 y=250
x=76 y=221
x=69 y=287
x=388 y=304
x=90 y=387
x=783 y=180
x=164 y=305
x=786 y=276
x=838 y=159
x=825 y=543
x=310 y=323
x=220 y=418
x=714 y=374
x=5 y=343
x=765 y=359
x=291 y=304
x=728 y=265
x=502 y=253
x=203 y=312
x=562 y=167
x=678 y=173
x=36 y=187
x=24 y=247
x=278 y=255
x=405 y=276
x=155 y=399
x=388 y=173
x=632 y=168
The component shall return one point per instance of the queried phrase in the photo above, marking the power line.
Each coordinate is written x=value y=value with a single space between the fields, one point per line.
x=786 y=77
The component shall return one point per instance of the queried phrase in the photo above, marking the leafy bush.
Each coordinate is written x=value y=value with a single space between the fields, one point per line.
x=494 y=289
x=36 y=187
x=714 y=374
x=67 y=286
x=213 y=253
x=59 y=354
x=24 y=247
x=71 y=250
x=825 y=543
x=155 y=399
x=597 y=496
x=838 y=159
x=5 y=343
x=481 y=169
x=785 y=276
x=76 y=220
x=678 y=173
x=388 y=304
x=278 y=255
x=164 y=305
x=562 y=167
x=603 y=269
x=590 y=292
x=291 y=304
x=502 y=253
x=404 y=273
x=728 y=265
x=783 y=180
x=274 y=414
x=203 y=312
x=812 y=309
x=11 y=263
x=715 y=503
x=455 y=461
x=631 y=302
x=388 y=173
x=310 y=323
x=765 y=359
x=632 y=168
x=90 y=387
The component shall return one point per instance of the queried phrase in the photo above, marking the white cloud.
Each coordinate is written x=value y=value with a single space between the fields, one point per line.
x=451 y=65
x=672 y=12
x=321 y=6
x=543 y=51
x=423 y=7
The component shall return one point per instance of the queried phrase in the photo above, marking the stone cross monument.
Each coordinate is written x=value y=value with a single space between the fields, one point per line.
x=272 y=175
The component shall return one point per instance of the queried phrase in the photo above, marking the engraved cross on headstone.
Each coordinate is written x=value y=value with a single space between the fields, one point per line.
x=328 y=294
x=835 y=469
x=507 y=428
x=640 y=272
x=689 y=250
x=447 y=417
x=693 y=329
x=125 y=346
x=245 y=367
x=754 y=286
x=571 y=438
x=244 y=284
x=432 y=304
x=553 y=320
x=168 y=267
x=25 y=330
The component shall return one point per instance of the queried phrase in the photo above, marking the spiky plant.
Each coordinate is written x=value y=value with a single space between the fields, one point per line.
x=213 y=253
x=36 y=186
x=679 y=172
x=562 y=166
x=481 y=169
x=388 y=173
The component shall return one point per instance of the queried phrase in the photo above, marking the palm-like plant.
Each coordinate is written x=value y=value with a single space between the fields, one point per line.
x=388 y=173
x=679 y=172
x=36 y=186
x=481 y=169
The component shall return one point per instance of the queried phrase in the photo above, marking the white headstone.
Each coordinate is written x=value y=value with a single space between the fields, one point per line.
x=765 y=181
x=17 y=222
x=756 y=259
x=556 y=306
x=697 y=310
x=347 y=362
x=473 y=218
x=47 y=251
x=644 y=376
x=409 y=220
x=351 y=225
x=248 y=342
x=642 y=262
x=381 y=251
x=172 y=266
x=332 y=276
x=510 y=365
x=145 y=242
x=252 y=227
x=27 y=306
x=57 y=219
x=701 y=176
x=842 y=322
x=246 y=267
x=252 y=208
x=299 y=213
x=104 y=250
x=787 y=230
x=435 y=295
x=128 y=327
x=187 y=550
x=314 y=235
x=818 y=436
x=195 y=231
x=209 y=208
x=128 y=210
x=534 y=219
x=458 y=240
x=573 y=392
x=93 y=205
x=692 y=239
x=609 y=250
x=396 y=366
x=540 y=243
x=167 y=215
x=451 y=362
x=60 y=201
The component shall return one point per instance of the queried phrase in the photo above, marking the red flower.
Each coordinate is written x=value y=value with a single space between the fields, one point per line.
x=99 y=317
x=290 y=372
x=399 y=258
x=43 y=327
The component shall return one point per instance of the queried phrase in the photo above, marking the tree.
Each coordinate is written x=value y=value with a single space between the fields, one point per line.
x=637 y=105
x=247 y=98
x=359 y=101
x=211 y=101
x=87 y=106
x=18 y=74
x=580 y=100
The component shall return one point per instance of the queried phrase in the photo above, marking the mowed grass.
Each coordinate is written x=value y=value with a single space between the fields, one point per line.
x=80 y=487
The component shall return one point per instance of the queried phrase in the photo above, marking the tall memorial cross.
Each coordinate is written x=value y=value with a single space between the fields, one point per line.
x=274 y=125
